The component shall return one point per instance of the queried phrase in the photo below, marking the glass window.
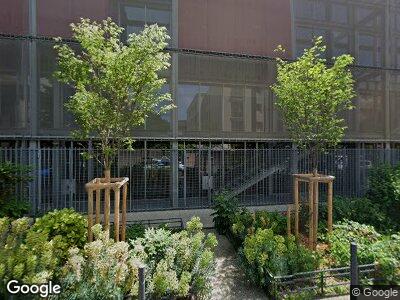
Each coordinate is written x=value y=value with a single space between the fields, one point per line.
x=160 y=122
x=339 y=13
x=210 y=108
x=255 y=102
x=370 y=50
x=340 y=43
x=234 y=117
x=188 y=107
x=134 y=16
x=13 y=84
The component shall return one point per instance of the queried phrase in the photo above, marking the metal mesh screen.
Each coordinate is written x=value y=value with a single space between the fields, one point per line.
x=256 y=176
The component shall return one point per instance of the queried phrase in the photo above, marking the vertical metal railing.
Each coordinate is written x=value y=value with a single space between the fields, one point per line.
x=259 y=176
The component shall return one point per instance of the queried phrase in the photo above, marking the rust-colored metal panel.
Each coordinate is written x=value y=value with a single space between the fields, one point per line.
x=252 y=27
x=54 y=17
x=14 y=16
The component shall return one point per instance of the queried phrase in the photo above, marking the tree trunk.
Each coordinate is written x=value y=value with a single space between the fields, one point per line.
x=314 y=162
x=107 y=175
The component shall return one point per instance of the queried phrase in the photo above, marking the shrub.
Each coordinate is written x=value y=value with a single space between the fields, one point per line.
x=225 y=207
x=384 y=190
x=177 y=263
x=25 y=255
x=372 y=248
x=361 y=210
x=11 y=176
x=65 y=227
x=102 y=270
x=265 y=253
x=245 y=222
x=134 y=231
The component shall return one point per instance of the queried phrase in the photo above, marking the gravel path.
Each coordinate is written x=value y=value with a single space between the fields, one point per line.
x=229 y=281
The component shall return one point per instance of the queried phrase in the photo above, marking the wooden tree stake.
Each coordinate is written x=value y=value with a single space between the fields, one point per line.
x=90 y=214
x=313 y=200
x=296 y=207
x=311 y=213
x=330 y=206
x=108 y=184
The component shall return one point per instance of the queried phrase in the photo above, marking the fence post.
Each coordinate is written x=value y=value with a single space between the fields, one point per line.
x=142 y=287
x=353 y=264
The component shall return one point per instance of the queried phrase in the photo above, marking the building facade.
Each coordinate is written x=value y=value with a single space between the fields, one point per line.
x=221 y=63
x=222 y=67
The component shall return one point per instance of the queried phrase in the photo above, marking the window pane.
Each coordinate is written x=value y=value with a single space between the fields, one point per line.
x=13 y=84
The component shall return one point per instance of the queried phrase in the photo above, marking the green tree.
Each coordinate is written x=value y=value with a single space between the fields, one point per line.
x=117 y=86
x=311 y=96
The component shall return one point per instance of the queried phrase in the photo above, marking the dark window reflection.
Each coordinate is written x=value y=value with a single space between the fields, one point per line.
x=354 y=27
x=13 y=85
x=134 y=15
x=160 y=122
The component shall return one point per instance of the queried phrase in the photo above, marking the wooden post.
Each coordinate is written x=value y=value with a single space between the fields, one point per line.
x=289 y=213
x=124 y=195
x=315 y=214
x=116 y=214
x=108 y=184
x=311 y=213
x=90 y=214
x=330 y=206
x=98 y=200
x=296 y=206
x=107 y=209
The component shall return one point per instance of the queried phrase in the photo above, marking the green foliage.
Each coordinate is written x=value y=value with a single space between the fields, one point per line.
x=116 y=85
x=311 y=96
x=361 y=210
x=65 y=227
x=134 y=231
x=245 y=223
x=225 y=207
x=25 y=255
x=177 y=263
x=11 y=176
x=372 y=248
x=102 y=270
x=14 y=208
x=384 y=191
x=265 y=253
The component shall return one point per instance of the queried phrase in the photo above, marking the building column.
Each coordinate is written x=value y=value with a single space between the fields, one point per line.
x=33 y=91
x=175 y=174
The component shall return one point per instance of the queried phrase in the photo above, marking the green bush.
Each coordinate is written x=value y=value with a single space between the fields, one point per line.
x=134 y=231
x=372 y=248
x=102 y=270
x=25 y=255
x=65 y=227
x=11 y=176
x=384 y=190
x=225 y=207
x=361 y=210
x=265 y=253
x=177 y=263
x=245 y=222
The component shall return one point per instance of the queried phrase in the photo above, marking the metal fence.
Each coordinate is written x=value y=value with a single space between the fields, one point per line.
x=189 y=178
x=324 y=282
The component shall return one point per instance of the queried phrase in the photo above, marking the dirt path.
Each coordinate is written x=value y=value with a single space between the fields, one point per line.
x=229 y=281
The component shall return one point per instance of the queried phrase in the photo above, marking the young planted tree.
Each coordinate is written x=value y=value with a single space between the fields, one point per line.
x=311 y=96
x=116 y=85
